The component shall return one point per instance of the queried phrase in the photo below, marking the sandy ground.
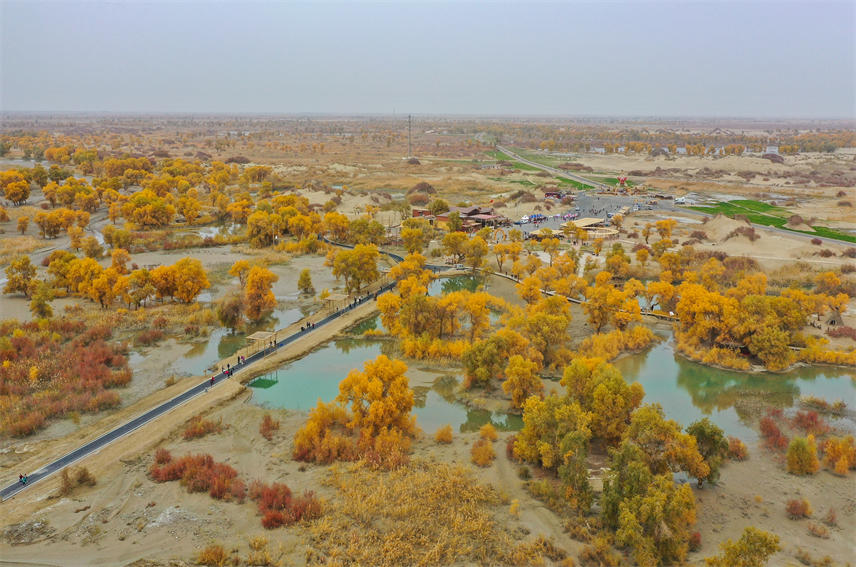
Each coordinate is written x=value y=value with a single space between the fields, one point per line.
x=126 y=516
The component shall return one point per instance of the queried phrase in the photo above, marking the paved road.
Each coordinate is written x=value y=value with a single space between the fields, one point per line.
x=553 y=170
x=119 y=432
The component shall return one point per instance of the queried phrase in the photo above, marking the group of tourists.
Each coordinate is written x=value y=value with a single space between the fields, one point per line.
x=22 y=478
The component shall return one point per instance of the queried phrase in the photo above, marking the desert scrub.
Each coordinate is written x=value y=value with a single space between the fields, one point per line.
x=199 y=473
x=420 y=513
x=198 y=427
x=444 y=434
x=737 y=450
x=482 y=453
x=51 y=369
x=268 y=426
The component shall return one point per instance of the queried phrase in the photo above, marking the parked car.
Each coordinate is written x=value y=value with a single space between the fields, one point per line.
x=524 y=219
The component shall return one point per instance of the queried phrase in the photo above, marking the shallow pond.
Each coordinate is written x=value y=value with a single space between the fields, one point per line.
x=300 y=384
x=686 y=390
x=221 y=343
x=689 y=391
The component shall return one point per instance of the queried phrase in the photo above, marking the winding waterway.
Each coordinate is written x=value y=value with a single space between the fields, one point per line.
x=687 y=391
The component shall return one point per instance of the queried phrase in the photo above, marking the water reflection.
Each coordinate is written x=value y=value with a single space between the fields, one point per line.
x=689 y=391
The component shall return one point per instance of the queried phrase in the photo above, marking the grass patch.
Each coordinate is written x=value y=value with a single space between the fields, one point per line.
x=768 y=215
x=524 y=182
x=612 y=181
x=577 y=184
x=498 y=155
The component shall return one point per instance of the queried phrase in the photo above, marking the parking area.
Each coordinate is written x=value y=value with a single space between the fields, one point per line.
x=588 y=204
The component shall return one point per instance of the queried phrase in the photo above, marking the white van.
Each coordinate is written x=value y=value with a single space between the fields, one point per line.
x=680 y=200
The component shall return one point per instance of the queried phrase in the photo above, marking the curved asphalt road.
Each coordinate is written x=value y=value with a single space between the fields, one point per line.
x=119 y=432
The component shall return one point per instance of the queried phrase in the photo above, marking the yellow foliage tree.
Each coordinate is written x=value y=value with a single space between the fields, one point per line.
x=521 y=380
x=259 y=299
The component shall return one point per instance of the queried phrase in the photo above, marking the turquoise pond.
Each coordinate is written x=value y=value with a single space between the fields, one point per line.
x=686 y=390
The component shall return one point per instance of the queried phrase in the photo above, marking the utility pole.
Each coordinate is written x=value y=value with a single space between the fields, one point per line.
x=409 y=132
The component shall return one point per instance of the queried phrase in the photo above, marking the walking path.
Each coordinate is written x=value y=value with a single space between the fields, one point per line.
x=141 y=420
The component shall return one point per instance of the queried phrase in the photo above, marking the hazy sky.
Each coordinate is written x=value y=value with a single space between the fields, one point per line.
x=752 y=59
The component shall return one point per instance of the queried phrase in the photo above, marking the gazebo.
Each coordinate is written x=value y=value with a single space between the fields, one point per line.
x=262 y=338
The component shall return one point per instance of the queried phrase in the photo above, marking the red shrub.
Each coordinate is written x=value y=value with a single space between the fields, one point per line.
x=279 y=508
x=162 y=456
x=843 y=331
x=810 y=422
x=200 y=473
x=798 y=509
x=695 y=541
x=773 y=436
x=50 y=372
x=273 y=519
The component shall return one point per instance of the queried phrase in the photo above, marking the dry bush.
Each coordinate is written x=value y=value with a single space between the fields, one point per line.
x=810 y=422
x=845 y=204
x=843 y=331
x=213 y=556
x=773 y=436
x=818 y=530
x=65 y=483
x=482 y=453
x=444 y=435
x=816 y=241
x=148 y=337
x=198 y=427
x=599 y=553
x=488 y=431
x=200 y=473
x=420 y=514
x=418 y=199
x=849 y=252
x=747 y=231
x=737 y=450
x=831 y=518
x=798 y=509
x=268 y=426
x=83 y=477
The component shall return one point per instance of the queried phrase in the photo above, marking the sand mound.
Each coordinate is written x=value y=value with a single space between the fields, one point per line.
x=799 y=226
x=720 y=226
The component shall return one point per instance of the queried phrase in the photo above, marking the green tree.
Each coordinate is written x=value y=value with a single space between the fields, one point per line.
x=802 y=456
x=19 y=274
x=476 y=251
x=304 y=283
x=712 y=445
x=455 y=222
x=667 y=449
x=555 y=436
x=357 y=266
x=454 y=244
x=656 y=525
x=753 y=549
x=40 y=303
